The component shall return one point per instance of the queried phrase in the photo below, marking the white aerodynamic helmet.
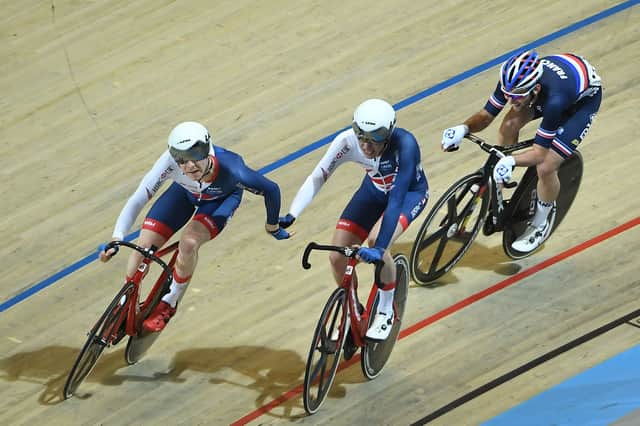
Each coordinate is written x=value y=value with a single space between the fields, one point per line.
x=374 y=120
x=189 y=141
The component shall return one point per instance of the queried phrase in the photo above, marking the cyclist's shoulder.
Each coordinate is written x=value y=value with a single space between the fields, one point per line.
x=404 y=140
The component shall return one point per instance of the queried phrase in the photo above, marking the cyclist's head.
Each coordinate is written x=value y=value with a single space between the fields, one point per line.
x=189 y=141
x=374 y=121
x=520 y=73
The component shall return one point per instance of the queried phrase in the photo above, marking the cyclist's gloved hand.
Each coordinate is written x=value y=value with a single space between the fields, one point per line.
x=502 y=170
x=104 y=255
x=280 y=234
x=286 y=221
x=452 y=137
x=370 y=255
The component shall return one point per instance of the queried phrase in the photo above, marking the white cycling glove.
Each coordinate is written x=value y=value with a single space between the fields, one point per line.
x=452 y=137
x=502 y=170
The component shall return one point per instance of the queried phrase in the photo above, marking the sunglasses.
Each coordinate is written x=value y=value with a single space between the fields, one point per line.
x=198 y=151
x=380 y=135
x=516 y=96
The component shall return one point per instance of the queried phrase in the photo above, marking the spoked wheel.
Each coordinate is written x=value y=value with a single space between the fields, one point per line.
x=108 y=330
x=324 y=354
x=522 y=205
x=376 y=354
x=449 y=229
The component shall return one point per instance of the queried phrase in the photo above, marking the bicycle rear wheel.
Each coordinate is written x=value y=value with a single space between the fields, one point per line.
x=522 y=205
x=107 y=331
x=324 y=354
x=376 y=354
x=449 y=229
x=138 y=344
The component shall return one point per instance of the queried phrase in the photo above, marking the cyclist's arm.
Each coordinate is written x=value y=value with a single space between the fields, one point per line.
x=479 y=121
x=338 y=152
x=409 y=157
x=147 y=188
x=483 y=118
x=256 y=183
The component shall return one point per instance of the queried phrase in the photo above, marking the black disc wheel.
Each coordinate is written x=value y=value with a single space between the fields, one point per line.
x=376 y=354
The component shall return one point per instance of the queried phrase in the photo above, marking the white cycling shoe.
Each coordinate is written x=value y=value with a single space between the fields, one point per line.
x=381 y=326
x=532 y=237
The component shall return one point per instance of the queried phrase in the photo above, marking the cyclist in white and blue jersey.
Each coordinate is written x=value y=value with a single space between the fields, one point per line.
x=565 y=91
x=208 y=183
x=393 y=193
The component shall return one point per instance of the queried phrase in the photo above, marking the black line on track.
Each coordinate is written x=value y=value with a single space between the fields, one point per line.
x=526 y=367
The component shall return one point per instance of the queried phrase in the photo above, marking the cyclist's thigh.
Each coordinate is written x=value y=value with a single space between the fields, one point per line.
x=215 y=214
x=362 y=212
x=170 y=212
x=571 y=133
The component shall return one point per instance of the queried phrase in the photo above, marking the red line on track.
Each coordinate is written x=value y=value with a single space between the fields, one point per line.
x=456 y=307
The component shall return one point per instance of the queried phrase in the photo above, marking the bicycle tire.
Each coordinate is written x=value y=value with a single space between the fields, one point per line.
x=522 y=205
x=442 y=226
x=317 y=377
x=108 y=330
x=376 y=354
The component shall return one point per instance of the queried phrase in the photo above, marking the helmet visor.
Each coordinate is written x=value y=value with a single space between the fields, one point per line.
x=198 y=151
x=376 y=136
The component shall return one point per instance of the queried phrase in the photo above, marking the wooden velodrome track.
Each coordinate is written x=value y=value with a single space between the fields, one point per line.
x=89 y=92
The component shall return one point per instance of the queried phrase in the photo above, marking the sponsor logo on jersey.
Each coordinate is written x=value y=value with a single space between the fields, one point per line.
x=338 y=156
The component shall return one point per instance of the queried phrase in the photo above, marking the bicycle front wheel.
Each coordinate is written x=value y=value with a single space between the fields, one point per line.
x=108 y=330
x=450 y=228
x=324 y=354
x=376 y=354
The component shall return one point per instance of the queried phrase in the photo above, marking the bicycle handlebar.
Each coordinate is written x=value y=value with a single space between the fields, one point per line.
x=148 y=253
x=498 y=149
x=345 y=251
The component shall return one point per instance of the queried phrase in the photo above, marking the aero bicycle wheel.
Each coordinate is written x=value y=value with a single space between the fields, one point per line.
x=108 y=330
x=449 y=229
x=376 y=354
x=522 y=205
x=139 y=343
x=324 y=354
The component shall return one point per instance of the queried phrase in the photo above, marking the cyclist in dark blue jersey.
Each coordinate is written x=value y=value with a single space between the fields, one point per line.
x=393 y=193
x=565 y=91
x=208 y=183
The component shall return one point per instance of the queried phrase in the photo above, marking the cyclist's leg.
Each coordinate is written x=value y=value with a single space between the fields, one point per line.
x=208 y=221
x=168 y=214
x=568 y=136
x=355 y=223
x=413 y=205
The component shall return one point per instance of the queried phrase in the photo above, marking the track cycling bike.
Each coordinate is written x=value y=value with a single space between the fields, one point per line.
x=475 y=201
x=342 y=315
x=125 y=314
